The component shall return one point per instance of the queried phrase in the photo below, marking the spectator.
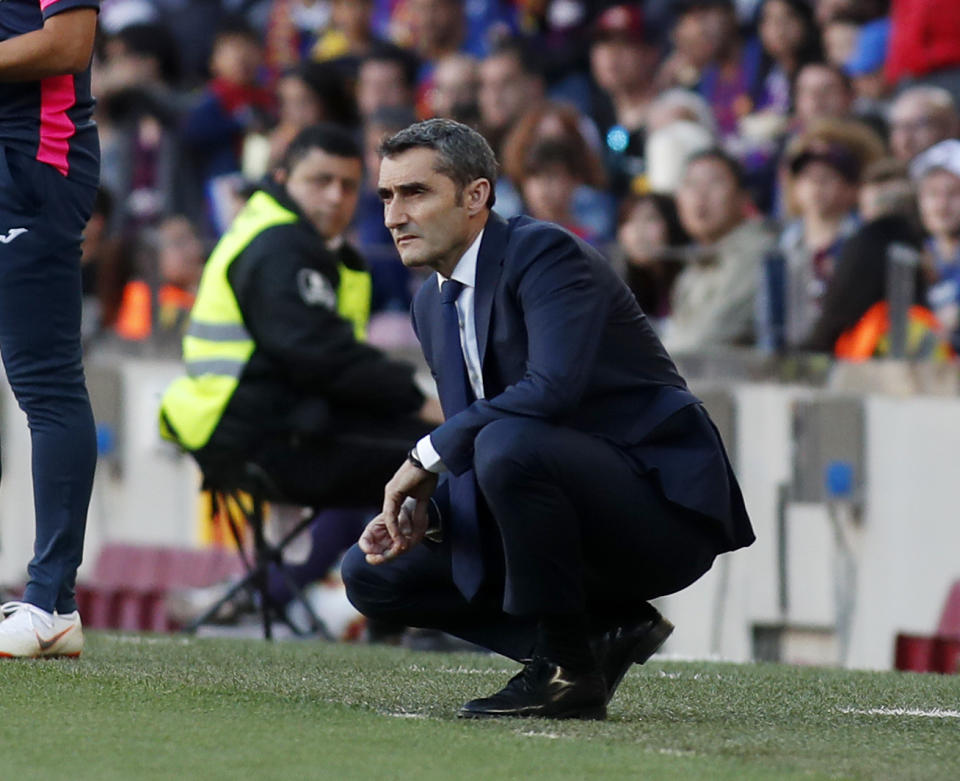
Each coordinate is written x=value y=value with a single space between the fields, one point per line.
x=790 y=40
x=937 y=174
x=680 y=124
x=232 y=104
x=509 y=86
x=840 y=39
x=887 y=207
x=919 y=118
x=456 y=81
x=649 y=250
x=713 y=298
x=821 y=91
x=925 y=43
x=386 y=79
x=139 y=109
x=438 y=27
x=156 y=308
x=865 y=68
x=697 y=38
x=291 y=31
x=547 y=181
x=592 y=209
x=350 y=34
x=623 y=59
x=733 y=64
x=307 y=95
x=825 y=163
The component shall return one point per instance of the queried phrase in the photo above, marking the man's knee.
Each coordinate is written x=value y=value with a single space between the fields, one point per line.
x=368 y=588
x=507 y=450
x=358 y=580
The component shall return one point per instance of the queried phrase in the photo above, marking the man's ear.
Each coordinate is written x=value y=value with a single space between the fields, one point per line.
x=476 y=195
x=280 y=176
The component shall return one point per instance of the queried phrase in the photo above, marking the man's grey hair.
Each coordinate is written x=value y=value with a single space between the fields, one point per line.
x=463 y=155
x=937 y=99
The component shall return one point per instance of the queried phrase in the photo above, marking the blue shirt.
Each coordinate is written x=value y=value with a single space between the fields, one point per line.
x=50 y=120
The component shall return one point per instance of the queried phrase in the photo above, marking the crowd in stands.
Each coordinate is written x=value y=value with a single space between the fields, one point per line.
x=754 y=169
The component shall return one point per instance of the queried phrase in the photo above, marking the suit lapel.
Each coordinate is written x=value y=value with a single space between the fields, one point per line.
x=489 y=267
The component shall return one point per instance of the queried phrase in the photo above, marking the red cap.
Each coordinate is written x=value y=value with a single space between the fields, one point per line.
x=620 y=21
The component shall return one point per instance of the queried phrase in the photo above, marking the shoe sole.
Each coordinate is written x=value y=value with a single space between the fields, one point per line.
x=598 y=713
x=656 y=637
x=651 y=643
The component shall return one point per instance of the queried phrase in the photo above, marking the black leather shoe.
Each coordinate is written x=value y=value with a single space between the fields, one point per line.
x=546 y=690
x=634 y=642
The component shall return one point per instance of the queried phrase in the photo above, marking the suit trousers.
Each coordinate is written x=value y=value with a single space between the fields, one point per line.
x=42 y=218
x=580 y=528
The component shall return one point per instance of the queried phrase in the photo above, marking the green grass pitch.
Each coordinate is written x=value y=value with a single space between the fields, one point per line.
x=143 y=707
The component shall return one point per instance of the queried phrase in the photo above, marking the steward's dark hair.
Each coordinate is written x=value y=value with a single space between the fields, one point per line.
x=332 y=139
x=463 y=155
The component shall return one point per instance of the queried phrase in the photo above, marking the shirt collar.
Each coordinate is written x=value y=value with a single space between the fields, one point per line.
x=465 y=271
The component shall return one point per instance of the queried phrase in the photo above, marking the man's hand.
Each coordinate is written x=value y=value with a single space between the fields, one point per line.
x=401 y=524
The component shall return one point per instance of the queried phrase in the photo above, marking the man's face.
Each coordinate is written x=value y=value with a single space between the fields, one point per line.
x=504 y=91
x=820 y=190
x=703 y=34
x=181 y=253
x=915 y=125
x=821 y=93
x=437 y=24
x=421 y=208
x=454 y=85
x=236 y=58
x=619 y=64
x=709 y=201
x=381 y=84
x=939 y=199
x=548 y=193
x=325 y=188
x=298 y=105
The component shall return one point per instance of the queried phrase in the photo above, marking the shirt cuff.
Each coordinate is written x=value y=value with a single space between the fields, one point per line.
x=429 y=456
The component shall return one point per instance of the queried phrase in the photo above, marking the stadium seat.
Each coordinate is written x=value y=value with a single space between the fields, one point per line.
x=934 y=653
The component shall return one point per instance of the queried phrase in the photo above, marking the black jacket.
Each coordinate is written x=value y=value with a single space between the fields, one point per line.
x=860 y=279
x=307 y=366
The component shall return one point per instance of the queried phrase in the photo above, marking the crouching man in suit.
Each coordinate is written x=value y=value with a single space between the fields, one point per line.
x=575 y=476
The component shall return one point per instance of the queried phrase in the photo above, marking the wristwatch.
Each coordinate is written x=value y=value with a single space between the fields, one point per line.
x=414 y=459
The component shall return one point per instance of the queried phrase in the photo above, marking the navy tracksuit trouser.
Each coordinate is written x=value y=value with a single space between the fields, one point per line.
x=42 y=218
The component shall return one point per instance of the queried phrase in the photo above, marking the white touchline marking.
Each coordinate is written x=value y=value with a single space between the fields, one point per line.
x=418 y=668
x=138 y=640
x=406 y=715
x=935 y=713
x=676 y=752
x=549 y=735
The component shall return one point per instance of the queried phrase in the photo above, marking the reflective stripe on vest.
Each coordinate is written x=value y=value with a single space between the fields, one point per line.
x=218 y=346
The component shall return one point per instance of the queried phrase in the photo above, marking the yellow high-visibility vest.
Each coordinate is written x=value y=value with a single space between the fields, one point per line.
x=218 y=346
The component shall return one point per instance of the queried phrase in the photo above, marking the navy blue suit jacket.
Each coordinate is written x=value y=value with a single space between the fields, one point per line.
x=562 y=338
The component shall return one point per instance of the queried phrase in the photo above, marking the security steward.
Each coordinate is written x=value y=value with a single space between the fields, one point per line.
x=277 y=369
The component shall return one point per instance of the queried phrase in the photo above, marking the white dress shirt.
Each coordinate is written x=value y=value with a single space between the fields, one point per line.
x=464 y=272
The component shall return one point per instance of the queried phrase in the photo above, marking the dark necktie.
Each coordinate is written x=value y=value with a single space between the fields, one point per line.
x=455 y=396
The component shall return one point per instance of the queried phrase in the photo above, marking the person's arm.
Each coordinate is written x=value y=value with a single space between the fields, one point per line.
x=64 y=45
x=564 y=310
x=277 y=287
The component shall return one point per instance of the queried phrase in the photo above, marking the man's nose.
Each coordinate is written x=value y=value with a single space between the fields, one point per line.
x=393 y=214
